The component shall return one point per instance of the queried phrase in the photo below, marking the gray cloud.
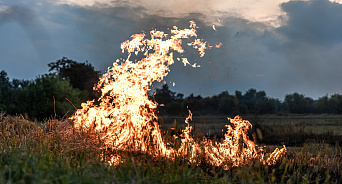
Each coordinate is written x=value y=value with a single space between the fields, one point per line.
x=313 y=22
x=253 y=55
x=302 y=55
x=308 y=44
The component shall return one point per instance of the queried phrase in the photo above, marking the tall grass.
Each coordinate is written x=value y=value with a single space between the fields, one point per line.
x=53 y=152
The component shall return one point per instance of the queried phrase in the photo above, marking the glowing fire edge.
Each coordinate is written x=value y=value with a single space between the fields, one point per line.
x=125 y=117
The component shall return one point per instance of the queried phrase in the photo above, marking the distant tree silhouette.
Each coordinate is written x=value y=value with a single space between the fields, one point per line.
x=16 y=83
x=5 y=90
x=164 y=95
x=226 y=103
x=82 y=76
x=324 y=105
x=298 y=103
x=336 y=103
x=46 y=96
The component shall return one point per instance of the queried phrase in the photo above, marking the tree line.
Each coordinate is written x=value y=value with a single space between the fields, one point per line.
x=60 y=92
x=250 y=102
x=53 y=95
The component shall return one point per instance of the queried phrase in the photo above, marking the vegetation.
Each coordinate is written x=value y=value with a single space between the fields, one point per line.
x=75 y=82
x=47 y=95
x=251 y=102
x=291 y=130
x=53 y=152
x=82 y=76
x=55 y=94
x=38 y=144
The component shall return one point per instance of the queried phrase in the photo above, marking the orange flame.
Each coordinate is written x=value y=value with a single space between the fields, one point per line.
x=125 y=117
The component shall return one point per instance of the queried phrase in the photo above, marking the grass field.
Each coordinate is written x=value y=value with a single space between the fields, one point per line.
x=33 y=152
x=293 y=130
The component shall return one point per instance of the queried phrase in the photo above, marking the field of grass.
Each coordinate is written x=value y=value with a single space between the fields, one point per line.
x=53 y=152
x=292 y=130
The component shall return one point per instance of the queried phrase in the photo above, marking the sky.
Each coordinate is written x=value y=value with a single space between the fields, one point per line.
x=278 y=46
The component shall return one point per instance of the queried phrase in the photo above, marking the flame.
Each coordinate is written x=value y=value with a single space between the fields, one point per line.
x=125 y=118
x=218 y=45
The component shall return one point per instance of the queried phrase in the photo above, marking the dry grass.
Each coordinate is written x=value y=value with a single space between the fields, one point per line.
x=53 y=152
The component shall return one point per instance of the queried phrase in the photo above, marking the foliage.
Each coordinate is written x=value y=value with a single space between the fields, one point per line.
x=251 y=102
x=82 y=76
x=5 y=90
x=50 y=95
x=170 y=103
x=298 y=103
x=164 y=95
x=47 y=96
x=24 y=96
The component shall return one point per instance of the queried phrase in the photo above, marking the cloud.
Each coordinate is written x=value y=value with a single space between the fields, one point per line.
x=106 y=28
x=253 y=55
x=307 y=45
x=30 y=23
x=17 y=13
x=256 y=53
x=261 y=10
x=313 y=22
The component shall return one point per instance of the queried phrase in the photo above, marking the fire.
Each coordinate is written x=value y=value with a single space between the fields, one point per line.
x=125 y=117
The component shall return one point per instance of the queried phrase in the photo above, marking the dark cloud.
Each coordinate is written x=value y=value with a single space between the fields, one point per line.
x=303 y=55
x=253 y=55
x=313 y=22
x=307 y=47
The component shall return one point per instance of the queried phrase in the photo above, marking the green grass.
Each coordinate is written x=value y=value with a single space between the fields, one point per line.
x=53 y=152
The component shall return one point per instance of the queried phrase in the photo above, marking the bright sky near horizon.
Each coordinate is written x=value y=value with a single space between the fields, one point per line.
x=279 y=46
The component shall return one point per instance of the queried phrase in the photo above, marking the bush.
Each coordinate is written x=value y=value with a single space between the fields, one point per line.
x=48 y=96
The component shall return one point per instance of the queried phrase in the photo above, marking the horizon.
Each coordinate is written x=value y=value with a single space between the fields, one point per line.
x=160 y=84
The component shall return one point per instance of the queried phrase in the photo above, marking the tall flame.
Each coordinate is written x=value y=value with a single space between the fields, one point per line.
x=126 y=119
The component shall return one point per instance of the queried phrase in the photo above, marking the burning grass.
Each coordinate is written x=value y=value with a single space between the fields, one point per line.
x=125 y=119
x=45 y=153
x=119 y=140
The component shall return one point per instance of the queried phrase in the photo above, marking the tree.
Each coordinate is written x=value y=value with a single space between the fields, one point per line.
x=48 y=96
x=241 y=107
x=323 y=105
x=82 y=76
x=298 y=103
x=226 y=104
x=16 y=83
x=5 y=91
x=264 y=104
x=164 y=95
x=195 y=104
x=336 y=102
